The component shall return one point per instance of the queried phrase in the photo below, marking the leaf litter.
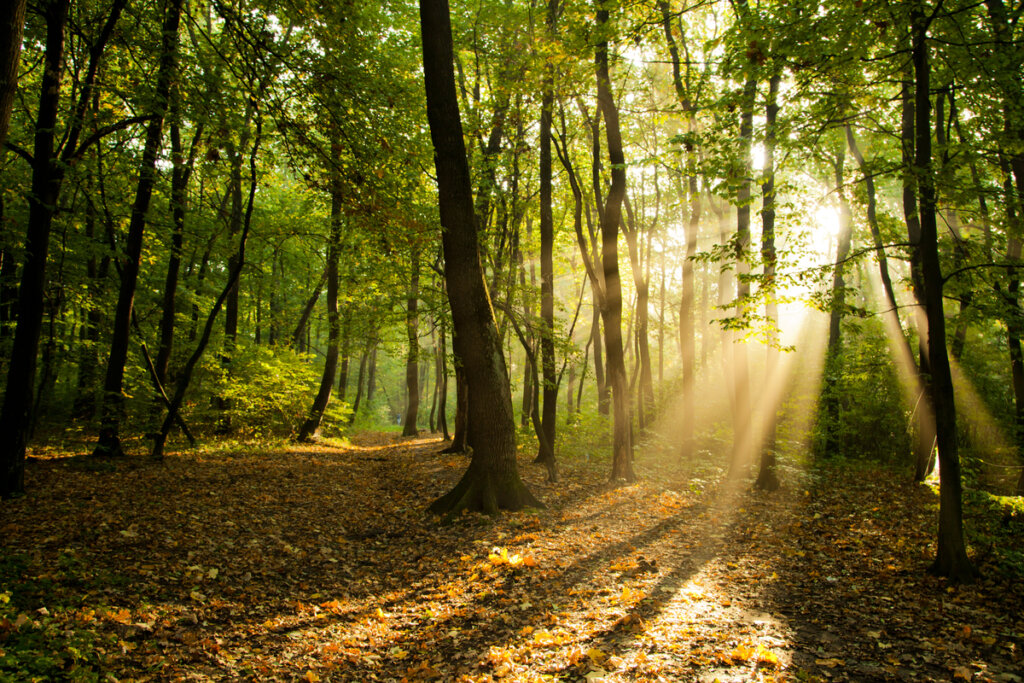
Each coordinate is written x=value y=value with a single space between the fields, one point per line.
x=320 y=564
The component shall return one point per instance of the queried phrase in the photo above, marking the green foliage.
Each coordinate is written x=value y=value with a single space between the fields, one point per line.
x=268 y=391
x=873 y=418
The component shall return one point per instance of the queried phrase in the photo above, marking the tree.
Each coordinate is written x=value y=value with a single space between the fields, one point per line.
x=492 y=480
x=611 y=217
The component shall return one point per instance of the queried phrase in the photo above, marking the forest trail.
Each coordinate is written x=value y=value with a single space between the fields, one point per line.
x=319 y=563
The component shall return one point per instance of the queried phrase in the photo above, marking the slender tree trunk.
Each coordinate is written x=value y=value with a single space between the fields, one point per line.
x=742 y=432
x=833 y=355
x=951 y=552
x=223 y=403
x=767 y=475
x=359 y=385
x=611 y=216
x=301 y=327
x=311 y=427
x=492 y=480
x=412 y=359
x=346 y=350
x=549 y=395
x=15 y=415
x=925 y=410
x=442 y=380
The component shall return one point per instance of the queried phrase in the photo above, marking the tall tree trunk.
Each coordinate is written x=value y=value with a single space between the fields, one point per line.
x=181 y=173
x=549 y=396
x=951 y=552
x=311 y=427
x=359 y=385
x=12 y=23
x=742 y=432
x=492 y=480
x=15 y=415
x=442 y=381
x=830 y=414
x=223 y=403
x=109 y=442
x=767 y=476
x=412 y=359
x=925 y=410
x=611 y=216
x=346 y=349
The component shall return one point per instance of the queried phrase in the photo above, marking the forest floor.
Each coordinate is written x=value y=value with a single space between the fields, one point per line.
x=319 y=563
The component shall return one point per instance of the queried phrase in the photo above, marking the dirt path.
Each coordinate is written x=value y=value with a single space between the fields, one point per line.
x=319 y=564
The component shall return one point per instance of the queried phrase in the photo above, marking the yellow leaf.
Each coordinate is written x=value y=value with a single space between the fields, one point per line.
x=310 y=676
x=596 y=656
x=741 y=653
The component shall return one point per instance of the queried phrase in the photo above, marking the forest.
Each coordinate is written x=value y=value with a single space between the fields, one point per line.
x=608 y=340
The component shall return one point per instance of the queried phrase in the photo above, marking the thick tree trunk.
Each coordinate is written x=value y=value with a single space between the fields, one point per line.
x=12 y=23
x=492 y=480
x=767 y=475
x=15 y=415
x=412 y=358
x=611 y=216
x=951 y=552
x=109 y=442
x=311 y=427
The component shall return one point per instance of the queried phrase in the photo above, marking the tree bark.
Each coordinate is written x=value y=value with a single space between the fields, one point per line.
x=492 y=480
x=951 y=552
x=412 y=358
x=549 y=395
x=311 y=427
x=742 y=432
x=830 y=414
x=15 y=416
x=12 y=24
x=767 y=475
x=611 y=216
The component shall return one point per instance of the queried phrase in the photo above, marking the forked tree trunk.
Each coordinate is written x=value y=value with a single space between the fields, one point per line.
x=492 y=480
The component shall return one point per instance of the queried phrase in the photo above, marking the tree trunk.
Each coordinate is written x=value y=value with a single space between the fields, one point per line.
x=925 y=410
x=311 y=427
x=767 y=475
x=742 y=432
x=951 y=553
x=611 y=216
x=346 y=346
x=549 y=395
x=359 y=385
x=492 y=480
x=830 y=415
x=15 y=415
x=412 y=359
x=12 y=24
